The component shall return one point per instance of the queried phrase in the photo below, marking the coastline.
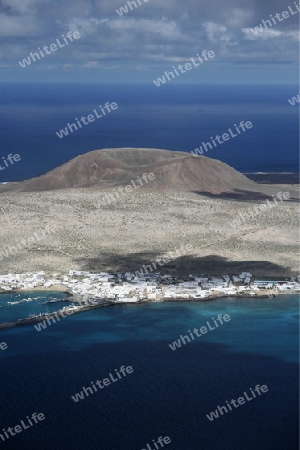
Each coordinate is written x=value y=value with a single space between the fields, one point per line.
x=54 y=288
x=37 y=319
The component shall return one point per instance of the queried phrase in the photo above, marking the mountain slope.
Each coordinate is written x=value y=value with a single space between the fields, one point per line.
x=117 y=167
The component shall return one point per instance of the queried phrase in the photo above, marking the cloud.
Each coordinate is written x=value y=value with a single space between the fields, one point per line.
x=88 y=26
x=91 y=65
x=19 y=18
x=115 y=67
x=270 y=33
x=11 y=26
x=21 y=7
x=143 y=67
x=238 y=17
x=158 y=27
x=158 y=31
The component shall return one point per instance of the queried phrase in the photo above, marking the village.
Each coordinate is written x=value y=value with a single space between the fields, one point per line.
x=95 y=288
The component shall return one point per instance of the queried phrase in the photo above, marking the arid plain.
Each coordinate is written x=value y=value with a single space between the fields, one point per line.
x=146 y=224
x=141 y=226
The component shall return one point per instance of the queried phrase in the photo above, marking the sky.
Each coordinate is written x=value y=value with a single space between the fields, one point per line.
x=143 y=43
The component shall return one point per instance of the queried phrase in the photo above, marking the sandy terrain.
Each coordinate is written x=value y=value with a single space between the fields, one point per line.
x=143 y=225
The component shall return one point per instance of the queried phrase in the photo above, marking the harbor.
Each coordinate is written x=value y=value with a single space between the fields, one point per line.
x=84 y=291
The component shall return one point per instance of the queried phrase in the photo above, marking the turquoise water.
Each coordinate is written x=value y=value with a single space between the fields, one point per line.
x=34 y=305
x=170 y=392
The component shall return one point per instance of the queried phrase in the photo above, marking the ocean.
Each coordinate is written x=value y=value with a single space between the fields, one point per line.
x=174 y=117
x=169 y=392
x=18 y=306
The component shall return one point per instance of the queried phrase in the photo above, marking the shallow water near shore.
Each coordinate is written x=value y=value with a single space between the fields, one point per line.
x=169 y=392
x=29 y=302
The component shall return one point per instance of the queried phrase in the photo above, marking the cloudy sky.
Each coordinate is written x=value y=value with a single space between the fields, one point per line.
x=142 y=44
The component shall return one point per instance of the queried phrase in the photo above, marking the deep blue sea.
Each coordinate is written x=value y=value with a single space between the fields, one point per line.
x=170 y=392
x=175 y=117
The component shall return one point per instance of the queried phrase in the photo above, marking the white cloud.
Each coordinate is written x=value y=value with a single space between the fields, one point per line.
x=16 y=26
x=215 y=32
x=91 y=65
x=23 y=6
x=269 y=33
x=238 y=17
x=159 y=31
x=85 y=26
x=162 y=27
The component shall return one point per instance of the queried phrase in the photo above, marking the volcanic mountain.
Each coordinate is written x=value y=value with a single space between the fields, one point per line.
x=173 y=170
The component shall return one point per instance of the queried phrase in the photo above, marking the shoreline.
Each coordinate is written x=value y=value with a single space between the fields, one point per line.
x=55 y=288
x=31 y=320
